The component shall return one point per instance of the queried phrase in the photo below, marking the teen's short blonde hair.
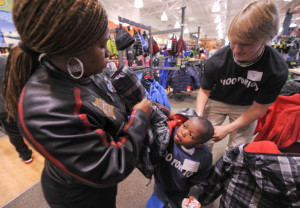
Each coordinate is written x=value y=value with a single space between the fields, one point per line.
x=258 y=21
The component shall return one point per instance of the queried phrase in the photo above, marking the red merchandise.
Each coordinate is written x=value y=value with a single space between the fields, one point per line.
x=262 y=147
x=280 y=123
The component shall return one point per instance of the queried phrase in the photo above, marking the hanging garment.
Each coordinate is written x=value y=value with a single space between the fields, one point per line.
x=145 y=46
x=174 y=45
x=163 y=74
x=123 y=39
x=130 y=54
x=147 y=41
x=181 y=45
x=156 y=92
x=112 y=48
x=155 y=48
x=163 y=94
x=138 y=47
x=180 y=80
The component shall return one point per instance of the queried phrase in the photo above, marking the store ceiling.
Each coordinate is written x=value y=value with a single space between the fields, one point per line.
x=197 y=13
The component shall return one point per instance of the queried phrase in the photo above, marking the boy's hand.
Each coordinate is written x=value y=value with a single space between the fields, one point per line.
x=145 y=105
x=190 y=202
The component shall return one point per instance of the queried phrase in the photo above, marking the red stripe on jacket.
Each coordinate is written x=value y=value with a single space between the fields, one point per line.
x=83 y=117
x=42 y=149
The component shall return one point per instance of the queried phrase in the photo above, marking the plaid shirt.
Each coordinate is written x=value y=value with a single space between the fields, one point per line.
x=257 y=180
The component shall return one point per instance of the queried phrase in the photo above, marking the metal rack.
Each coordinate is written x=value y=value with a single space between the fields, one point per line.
x=127 y=21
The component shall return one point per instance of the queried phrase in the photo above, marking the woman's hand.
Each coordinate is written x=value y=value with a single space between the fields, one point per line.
x=172 y=116
x=145 y=105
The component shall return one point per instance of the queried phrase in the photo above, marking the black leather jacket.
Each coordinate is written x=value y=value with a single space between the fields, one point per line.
x=80 y=126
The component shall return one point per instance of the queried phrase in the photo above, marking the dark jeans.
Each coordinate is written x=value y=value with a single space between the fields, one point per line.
x=64 y=192
x=171 y=201
x=15 y=137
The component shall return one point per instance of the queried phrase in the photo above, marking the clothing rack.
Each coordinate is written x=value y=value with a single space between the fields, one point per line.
x=127 y=21
x=166 y=31
x=168 y=68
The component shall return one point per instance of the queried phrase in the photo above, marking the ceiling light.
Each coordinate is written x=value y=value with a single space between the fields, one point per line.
x=186 y=30
x=138 y=3
x=226 y=40
x=216 y=7
x=287 y=0
x=217 y=19
x=221 y=36
x=177 y=25
x=219 y=27
x=164 y=17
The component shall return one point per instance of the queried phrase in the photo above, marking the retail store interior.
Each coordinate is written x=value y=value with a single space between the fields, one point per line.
x=172 y=40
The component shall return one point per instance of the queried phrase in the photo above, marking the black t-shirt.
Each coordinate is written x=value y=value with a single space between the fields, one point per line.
x=236 y=85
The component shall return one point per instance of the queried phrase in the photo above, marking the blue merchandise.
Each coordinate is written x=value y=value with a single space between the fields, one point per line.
x=179 y=80
x=156 y=92
x=145 y=46
x=154 y=202
x=163 y=74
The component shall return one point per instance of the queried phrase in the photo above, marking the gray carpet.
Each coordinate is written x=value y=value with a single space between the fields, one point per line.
x=30 y=198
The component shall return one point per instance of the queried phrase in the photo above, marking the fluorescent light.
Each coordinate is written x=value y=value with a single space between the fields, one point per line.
x=288 y=0
x=216 y=7
x=177 y=25
x=186 y=30
x=217 y=19
x=226 y=40
x=138 y=3
x=219 y=27
x=164 y=17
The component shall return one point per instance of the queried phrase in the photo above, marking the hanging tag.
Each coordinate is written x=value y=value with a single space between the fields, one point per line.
x=169 y=45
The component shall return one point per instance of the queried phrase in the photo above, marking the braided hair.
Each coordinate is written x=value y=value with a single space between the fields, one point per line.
x=55 y=27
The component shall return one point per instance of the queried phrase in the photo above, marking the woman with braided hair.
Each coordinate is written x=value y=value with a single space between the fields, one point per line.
x=65 y=106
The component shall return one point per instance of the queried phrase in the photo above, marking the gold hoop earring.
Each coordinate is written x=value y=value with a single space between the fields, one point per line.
x=75 y=67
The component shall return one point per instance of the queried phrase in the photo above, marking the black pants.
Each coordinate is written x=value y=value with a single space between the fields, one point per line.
x=64 y=192
x=15 y=137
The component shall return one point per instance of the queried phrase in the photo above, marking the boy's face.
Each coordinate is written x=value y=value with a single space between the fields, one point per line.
x=188 y=134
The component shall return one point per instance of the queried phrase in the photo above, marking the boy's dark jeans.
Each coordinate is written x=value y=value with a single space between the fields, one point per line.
x=10 y=128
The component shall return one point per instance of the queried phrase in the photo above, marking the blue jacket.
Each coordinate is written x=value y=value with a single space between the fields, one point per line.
x=179 y=80
x=157 y=93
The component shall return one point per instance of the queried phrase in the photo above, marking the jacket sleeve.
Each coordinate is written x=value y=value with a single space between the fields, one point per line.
x=200 y=178
x=68 y=140
x=163 y=109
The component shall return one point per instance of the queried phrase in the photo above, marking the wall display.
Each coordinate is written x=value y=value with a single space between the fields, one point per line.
x=8 y=33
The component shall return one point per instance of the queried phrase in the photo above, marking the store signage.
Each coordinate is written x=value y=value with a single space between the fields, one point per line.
x=6 y=5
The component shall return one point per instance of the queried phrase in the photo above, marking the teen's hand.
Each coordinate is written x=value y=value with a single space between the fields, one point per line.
x=145 y=105
x=220 y=132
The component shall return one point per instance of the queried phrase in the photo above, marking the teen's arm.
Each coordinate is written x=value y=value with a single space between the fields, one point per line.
x=202 y=99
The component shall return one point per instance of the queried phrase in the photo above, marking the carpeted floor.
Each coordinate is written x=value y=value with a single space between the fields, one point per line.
x=30 y=198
